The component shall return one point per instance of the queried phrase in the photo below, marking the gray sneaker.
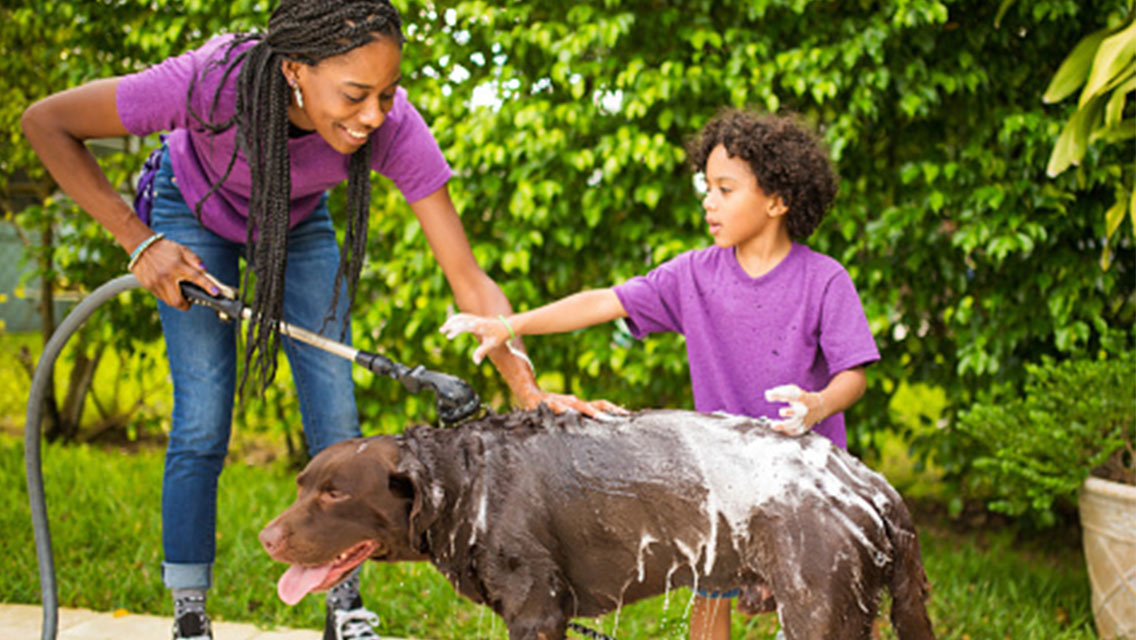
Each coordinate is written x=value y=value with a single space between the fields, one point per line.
x=192 y=625
x=351 y=624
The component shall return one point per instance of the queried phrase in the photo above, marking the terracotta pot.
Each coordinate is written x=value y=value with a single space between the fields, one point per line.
x=1108 y=520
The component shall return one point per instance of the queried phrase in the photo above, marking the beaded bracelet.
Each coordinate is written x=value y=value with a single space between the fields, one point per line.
x=509 y=344
x=141 y=248
x=820 y=400
x=507 y=326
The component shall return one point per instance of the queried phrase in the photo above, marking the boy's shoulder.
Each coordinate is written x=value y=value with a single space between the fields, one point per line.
x=701 y=258
x=817 y=260
x=719 y=262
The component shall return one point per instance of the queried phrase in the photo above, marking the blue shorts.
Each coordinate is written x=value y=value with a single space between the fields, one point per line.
x=718 y=595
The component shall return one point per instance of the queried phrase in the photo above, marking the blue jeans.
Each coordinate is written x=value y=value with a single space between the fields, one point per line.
x=203 y=362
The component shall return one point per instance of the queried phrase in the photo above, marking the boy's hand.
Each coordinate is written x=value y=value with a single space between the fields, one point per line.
x=805 y=409
x=490 y=332
x=494 y=332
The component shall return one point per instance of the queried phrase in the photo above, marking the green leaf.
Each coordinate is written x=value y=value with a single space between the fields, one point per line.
x=1132 y=211
x=1115 y=53
x=1074 y=139
x=1114 y=110
x=936 y=201
x=1123 y=130
x=1073 y=71
x=1005 y=6
x=1112 y=219
x=1115 y=214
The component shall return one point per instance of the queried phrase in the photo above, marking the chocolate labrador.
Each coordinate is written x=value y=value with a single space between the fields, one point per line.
x=545 y=518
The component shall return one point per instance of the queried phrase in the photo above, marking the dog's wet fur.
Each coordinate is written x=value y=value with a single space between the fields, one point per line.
x=544 y=518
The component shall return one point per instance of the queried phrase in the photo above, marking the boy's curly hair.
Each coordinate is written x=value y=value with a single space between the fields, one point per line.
x=787 y=159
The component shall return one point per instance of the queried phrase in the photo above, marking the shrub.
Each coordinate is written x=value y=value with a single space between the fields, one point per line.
x=1039 y=442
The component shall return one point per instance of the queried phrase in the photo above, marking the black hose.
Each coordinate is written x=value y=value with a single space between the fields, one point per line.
x=456 y=401
x=41 y=382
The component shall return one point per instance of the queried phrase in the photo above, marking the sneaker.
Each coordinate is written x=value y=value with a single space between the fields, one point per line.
x=351 y=624
x=192 y=625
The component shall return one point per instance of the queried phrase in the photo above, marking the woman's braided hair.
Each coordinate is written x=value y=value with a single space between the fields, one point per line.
x=307 y=31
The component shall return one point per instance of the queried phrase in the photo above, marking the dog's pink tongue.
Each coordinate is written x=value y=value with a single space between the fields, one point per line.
x=297 y=581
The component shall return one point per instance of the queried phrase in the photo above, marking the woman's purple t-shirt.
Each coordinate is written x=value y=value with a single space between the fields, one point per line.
x=801 y=323
x=153 y=100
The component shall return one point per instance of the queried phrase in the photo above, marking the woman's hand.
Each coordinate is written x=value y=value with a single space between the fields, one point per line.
x=560 y=403
x=164 y=264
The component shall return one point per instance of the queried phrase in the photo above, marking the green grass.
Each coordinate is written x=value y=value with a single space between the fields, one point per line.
x=131 y=395
x=14 y=384
x=104 y=512
x=126 y=388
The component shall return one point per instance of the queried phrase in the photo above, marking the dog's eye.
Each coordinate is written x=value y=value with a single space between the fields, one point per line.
x=334 y=494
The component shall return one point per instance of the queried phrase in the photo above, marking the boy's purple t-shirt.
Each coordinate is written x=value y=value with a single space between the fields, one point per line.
x=153 y=100
x=801 y=323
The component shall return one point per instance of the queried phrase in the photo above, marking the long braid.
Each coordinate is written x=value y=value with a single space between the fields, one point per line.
x=355 y=236
x=307 y=31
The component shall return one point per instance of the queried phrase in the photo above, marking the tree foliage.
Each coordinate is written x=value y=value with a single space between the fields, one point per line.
x=970 y=260
x=566 y=123
x=1103 y=66
x=1033 y=447
x=49 y=49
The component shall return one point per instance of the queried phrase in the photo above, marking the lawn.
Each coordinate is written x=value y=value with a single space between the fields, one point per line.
x=104 y=511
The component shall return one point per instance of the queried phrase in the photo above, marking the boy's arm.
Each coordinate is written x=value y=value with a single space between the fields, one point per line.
x=577 y=311
x=842 y=392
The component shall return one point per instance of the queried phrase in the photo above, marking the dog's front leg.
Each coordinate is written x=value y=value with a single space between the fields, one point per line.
x=530 y=629
x=541 y=616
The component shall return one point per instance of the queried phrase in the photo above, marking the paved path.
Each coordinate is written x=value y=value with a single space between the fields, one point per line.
x=25 y=622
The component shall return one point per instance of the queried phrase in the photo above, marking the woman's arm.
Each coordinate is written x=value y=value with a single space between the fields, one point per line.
x=56 y=127
x=476 y=293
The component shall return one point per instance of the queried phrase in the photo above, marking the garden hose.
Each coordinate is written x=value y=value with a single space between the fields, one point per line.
x=455 y=401
x=41 y=382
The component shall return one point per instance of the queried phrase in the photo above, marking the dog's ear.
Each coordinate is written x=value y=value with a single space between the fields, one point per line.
x=410 y=478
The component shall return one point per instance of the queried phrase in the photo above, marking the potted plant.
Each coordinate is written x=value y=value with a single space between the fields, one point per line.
x=1069 y=434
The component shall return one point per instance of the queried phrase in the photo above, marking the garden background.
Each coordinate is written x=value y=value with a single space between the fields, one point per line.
x=982 y=263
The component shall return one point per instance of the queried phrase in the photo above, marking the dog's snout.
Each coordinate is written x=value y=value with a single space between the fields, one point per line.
x=271 y=537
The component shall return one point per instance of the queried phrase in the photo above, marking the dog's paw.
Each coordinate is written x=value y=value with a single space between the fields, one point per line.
x=755 y=599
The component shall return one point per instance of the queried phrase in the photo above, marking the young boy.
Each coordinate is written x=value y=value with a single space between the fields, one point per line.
x=759 y=310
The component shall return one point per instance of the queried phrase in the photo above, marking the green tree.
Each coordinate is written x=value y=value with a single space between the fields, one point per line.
x=1103 y=66
x=970 y=259
x=51 y=48
x=565 y=125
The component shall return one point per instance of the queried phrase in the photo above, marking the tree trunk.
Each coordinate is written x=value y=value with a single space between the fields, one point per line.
x=78 y=385
x=51 y=419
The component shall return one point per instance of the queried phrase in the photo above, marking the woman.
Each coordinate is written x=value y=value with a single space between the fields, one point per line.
x=262 y=125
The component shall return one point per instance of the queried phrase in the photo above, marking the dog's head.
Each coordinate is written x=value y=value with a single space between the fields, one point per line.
x=351 y=504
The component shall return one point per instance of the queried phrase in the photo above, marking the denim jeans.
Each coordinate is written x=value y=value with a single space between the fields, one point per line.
x=203 y=361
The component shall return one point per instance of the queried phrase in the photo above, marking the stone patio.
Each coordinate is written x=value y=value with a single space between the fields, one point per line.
x=24 y=622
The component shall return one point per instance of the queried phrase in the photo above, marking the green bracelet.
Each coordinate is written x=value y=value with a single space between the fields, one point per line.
x=507 y=326
x=141 y=248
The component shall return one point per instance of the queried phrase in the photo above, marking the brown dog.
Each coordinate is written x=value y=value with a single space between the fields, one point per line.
x=544 y=518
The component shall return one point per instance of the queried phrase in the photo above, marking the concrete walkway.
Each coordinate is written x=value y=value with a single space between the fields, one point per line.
x=25 y=622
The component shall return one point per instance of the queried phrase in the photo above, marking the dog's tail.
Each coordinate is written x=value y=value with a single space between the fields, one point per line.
x=908 y=582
